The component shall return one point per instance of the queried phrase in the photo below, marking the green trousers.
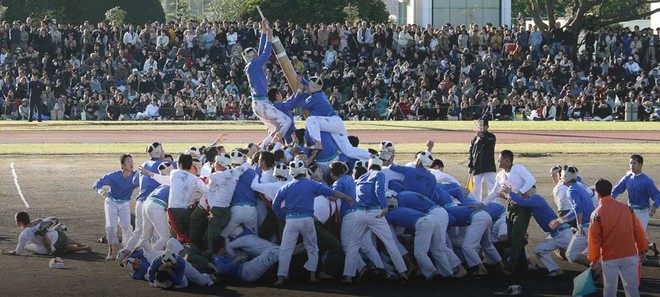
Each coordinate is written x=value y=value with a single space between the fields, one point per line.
x=218 y=220
x=517 y=222
x=198 y=223
x=180 y=223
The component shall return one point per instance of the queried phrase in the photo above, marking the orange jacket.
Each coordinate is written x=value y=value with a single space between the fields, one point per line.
x=615 y=231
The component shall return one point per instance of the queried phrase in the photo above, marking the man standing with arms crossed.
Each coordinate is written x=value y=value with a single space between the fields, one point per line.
x=36 y=88
x=482 y=158
x=616 y=237
x=640 y=188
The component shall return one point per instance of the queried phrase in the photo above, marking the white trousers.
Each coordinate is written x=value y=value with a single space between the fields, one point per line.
x=335 y=126
x=251 y=244
x=643 y=216
x=627 y=269
x=439 y=249
x=366 y=244
x=137 y=232
x=114 y=211
x=478 y=180
x=546 y=246
x=154 y=220
x=272 y=117
x=424 y=233
x=499 y=229
x=253 y=270
x=577 y=246
x=242 y=214
x=477 y=236
x=367 y=220
x=192 y=274
x=292 y=228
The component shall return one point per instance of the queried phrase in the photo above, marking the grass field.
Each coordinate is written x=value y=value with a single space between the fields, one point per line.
x=56 y=179
x=361 y=125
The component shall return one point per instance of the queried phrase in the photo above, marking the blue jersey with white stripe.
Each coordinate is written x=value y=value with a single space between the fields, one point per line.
x=255 y=69
x=404 y=217
x=370 y=188
x=244 y=195
x=346 y=185
x=121 y=188
x=147 y=184
x=318 y=105
x=299 y=196
x=415 y=201
x=640 y=189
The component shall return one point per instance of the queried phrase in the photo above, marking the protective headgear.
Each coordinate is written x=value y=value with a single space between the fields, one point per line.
x=569 y=174
x=360 y=163
x=169 y=258
x=387 y=146
x=297 y=167
x=237 y=157
x=426 y=158
x=391 y=199
x=252 y=149
x=155 y=150
x=555 y=169
x=281 y=171
x=223 y=159
x=197 y=163
x=165 y=168
x=249 y=54
x=375 y=160
x=193 y=151
x=315 y=84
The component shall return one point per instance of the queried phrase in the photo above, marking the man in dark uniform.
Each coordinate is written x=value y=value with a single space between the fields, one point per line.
x=482 y=158
x=35 y=88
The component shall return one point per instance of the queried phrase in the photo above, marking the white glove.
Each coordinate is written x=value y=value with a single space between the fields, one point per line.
x=103 y=193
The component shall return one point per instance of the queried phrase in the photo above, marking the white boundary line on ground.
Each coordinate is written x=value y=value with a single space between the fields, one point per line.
x=18 y=187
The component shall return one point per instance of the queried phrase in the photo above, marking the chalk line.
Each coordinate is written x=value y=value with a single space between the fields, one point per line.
x=18 y=187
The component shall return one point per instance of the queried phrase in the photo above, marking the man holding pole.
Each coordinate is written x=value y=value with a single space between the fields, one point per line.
x=276 y=121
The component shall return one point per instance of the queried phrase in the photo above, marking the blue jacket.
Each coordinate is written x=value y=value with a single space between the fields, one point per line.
x=162 y=193
x=581 y=202
x=318 y=105
x=227 y=268
x=286 y=107
x=330 y=148
x=255 y=69
x=177 y=275
x=415 y=201
x=404 y=217
x=244 y=195
x=370 y=188
x=121 y=188
x=346 y=185
x=542 y=212
x=417 y=180
x=299 y=196
x=640 y=189
x=147 y=184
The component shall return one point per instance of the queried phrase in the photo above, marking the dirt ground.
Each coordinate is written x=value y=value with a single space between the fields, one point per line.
x=61 y=186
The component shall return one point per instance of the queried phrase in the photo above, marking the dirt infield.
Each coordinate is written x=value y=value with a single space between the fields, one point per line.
x=366 y=136
x=61 y=186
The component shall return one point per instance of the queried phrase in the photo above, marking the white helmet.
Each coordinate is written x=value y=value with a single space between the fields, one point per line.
x=390 y=194
x=387 y=146
x=165 y=168
x=155 y=150
x=392 y=202
x=360 y=163
x=249 y=54
x=237 y=157
x=297 y=167
x=169 y=258
x=569 y=174
x=426 y=158
x=281 y=171
x=315 y=84
x=193 y=151
x=223 y=159
x=375 y=160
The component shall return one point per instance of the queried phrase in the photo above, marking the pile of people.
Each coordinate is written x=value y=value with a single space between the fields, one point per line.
x=194 y=70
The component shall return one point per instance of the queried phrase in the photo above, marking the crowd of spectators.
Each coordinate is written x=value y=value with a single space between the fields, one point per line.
x=191 y=70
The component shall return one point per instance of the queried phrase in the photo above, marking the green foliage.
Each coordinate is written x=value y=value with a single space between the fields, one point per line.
x=305 y=11
x=352 y=14
x=224 y=10
x=115 y=14
x=78 y=11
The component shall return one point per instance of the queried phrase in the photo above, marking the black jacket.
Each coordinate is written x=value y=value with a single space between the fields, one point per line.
x=482 y=154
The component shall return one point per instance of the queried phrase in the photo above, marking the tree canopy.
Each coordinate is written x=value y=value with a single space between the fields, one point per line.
x=78 y=11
